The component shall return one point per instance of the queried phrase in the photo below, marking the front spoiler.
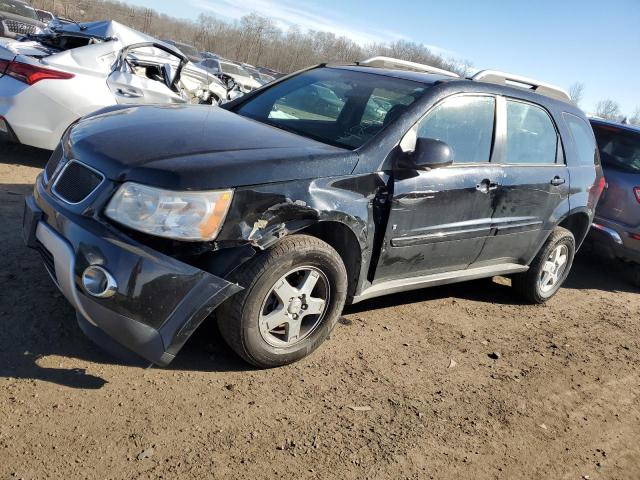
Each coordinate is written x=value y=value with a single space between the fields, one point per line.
x=168 y=298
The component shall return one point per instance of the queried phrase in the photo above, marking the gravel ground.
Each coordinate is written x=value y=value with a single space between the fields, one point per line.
x=405 y=388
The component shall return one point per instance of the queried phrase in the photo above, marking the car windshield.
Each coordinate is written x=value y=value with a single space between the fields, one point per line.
x=337 y=106
x=189 y=51
x=619 y=149
x=234 y=69
x=18 y=8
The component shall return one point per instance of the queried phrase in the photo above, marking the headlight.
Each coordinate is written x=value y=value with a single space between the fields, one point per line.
x=166 y=213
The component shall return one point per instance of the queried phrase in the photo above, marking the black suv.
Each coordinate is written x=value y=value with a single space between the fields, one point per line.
x=330 y=186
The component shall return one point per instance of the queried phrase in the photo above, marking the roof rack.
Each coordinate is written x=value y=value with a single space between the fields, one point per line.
x=396 y=63
x=502 y=78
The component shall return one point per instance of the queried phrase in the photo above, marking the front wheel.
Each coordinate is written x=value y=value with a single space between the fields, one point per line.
x=293 y=296
x=549 y=268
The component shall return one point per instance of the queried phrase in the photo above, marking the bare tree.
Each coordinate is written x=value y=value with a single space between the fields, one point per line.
x=576 y=92
x=608 y=109
x=253 y=39
x=635 y=118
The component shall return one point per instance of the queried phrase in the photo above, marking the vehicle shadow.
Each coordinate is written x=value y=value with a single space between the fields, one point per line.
x=37 y=324
x=597 y=273
x=16 y=154
x=587 y=273
x=483 y=290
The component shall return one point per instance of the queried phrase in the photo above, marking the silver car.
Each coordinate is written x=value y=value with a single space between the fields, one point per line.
x=48 y=81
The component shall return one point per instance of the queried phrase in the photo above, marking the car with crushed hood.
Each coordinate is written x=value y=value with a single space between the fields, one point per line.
x=151 y=219
x=18 y=18
x=50 y=80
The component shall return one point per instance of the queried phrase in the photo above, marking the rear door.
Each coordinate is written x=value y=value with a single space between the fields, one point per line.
x=534 y=187
x=440 y=218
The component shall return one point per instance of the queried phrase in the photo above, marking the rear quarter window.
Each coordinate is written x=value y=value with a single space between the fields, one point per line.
x=583 y=139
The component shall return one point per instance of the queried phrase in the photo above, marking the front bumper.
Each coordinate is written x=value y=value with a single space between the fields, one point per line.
x=159 y=301
x=614 y=240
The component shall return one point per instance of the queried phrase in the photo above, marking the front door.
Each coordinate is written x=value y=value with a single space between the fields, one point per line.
x=440 y=218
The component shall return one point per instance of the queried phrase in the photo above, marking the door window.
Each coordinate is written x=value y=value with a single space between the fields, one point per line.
x=531 y=136
x=466 y=124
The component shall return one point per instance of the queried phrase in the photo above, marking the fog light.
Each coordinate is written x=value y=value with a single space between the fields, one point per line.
x=97 y=282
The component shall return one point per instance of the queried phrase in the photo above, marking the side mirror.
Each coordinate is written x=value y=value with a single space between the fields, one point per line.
x=429 y=153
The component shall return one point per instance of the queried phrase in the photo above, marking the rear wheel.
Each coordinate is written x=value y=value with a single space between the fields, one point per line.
x=293 y=296
x=635 y=274
x=549 y=268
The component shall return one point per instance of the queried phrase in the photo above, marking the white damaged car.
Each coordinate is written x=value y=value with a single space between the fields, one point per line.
x=48 y=81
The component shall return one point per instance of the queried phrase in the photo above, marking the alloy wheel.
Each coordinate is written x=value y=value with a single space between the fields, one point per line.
x=553 y=269
x=294 y=307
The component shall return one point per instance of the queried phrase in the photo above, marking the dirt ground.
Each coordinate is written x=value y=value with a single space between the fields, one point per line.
x=561 y=402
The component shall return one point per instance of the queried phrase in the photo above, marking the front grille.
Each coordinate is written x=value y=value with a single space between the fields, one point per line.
x=76 y=182
x=47 y=259
x=52 y=164
x=14 y=26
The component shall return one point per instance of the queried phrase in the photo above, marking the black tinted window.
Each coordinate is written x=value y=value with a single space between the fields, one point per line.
x=465 y=123
x=531 y=136
x=619 y=148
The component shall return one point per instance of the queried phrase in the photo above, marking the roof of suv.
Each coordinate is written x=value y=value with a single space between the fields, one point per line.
x=422 y=77
x=433 y=78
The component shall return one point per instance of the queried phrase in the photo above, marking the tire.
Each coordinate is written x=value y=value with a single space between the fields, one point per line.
x=242 y=320
x=635 y=274
x=529 y=284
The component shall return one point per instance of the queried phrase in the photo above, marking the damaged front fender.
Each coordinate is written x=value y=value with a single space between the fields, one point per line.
x=261 y=215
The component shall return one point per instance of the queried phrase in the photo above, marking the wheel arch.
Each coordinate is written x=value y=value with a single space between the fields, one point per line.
x=578 y=223
x=342 y=238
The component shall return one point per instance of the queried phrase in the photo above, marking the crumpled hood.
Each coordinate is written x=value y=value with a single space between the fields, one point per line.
x=107 y=29
x=198 y=147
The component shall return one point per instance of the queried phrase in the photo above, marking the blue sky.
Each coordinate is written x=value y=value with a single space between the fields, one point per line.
x=596 y=42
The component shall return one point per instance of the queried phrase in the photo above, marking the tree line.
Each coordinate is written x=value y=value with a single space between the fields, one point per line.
x=253 y=39
x=606 y=108
x=257 y=40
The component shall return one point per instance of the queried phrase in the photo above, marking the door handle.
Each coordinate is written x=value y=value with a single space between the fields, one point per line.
x=486 y=185
x=129 y=93
x=557 y=180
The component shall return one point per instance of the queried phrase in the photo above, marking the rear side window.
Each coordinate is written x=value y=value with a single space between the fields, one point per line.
x=531 y=135
x=619 y=149
x=583 y=138
x=465 y=123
